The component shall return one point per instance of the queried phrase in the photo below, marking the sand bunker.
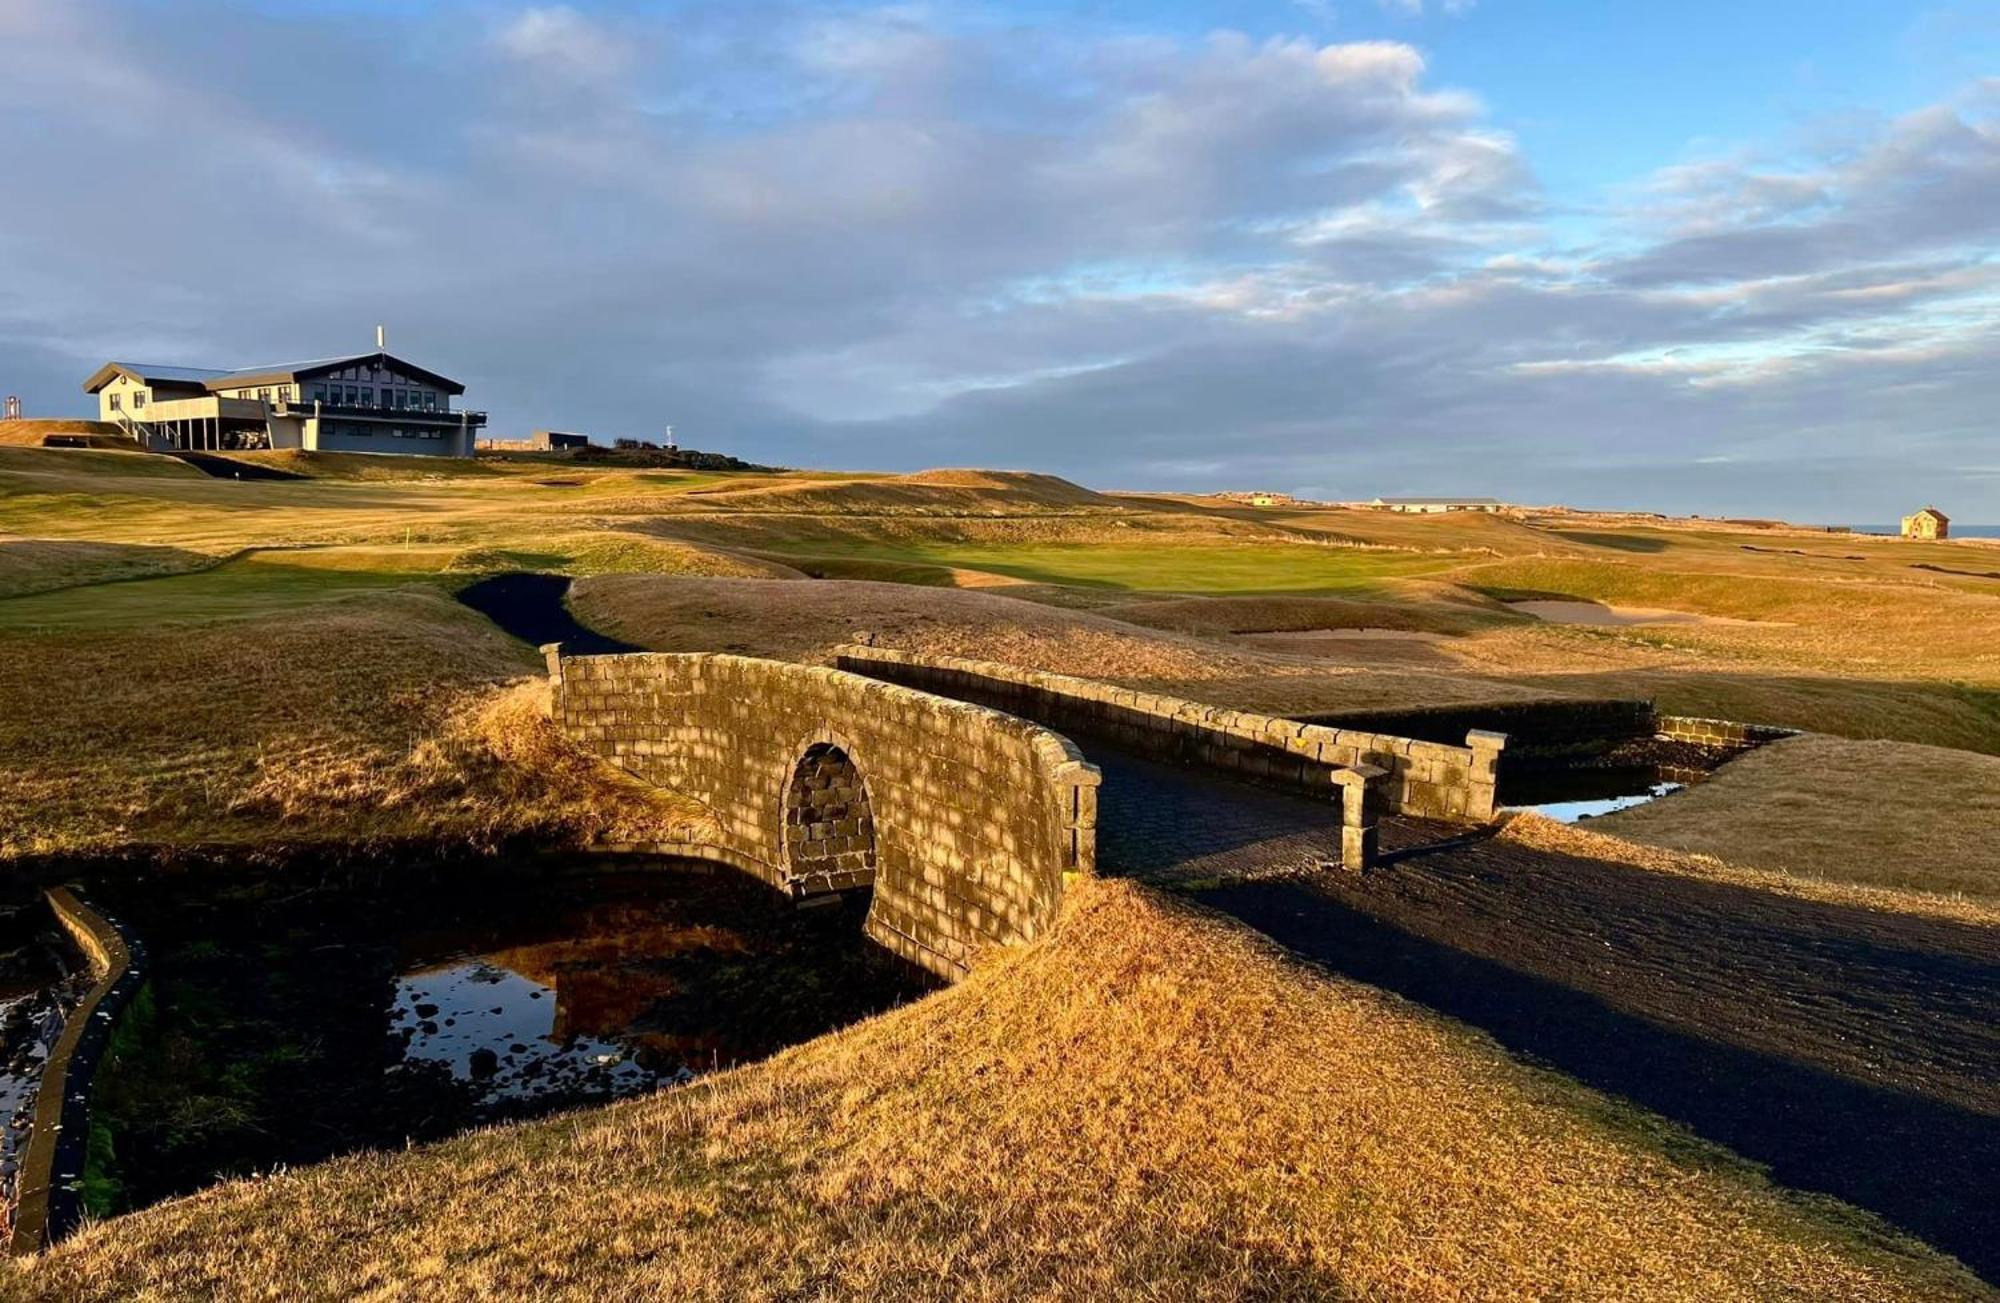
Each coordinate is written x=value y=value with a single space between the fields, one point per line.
x=1601 y=616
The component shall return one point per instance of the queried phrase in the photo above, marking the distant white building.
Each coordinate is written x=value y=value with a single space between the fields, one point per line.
x=1437 y=506
x=366 y=402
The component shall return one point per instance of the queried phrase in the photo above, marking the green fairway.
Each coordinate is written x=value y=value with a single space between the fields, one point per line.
x=1172 y=568
x=257 y=584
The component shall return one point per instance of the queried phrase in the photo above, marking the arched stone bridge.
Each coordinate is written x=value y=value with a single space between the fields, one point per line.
x=962 y=819
x=963 y=815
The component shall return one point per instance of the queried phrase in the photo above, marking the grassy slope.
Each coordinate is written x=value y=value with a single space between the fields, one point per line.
x=1874 y=813
x=386 y=716
x=1150 y=1103
x=1211 y=567
x=807 y=621
x=30 y=431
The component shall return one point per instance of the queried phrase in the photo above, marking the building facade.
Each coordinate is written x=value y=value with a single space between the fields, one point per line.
x=368 y=402
x=1930 y=523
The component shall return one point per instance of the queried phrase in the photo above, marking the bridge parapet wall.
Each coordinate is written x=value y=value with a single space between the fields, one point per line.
x=975 y=816
x=1430 y=779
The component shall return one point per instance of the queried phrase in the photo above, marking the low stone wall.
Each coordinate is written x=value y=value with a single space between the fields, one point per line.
x=974 y=816
x=49 y=1195
x=1723 y=733
x=1421 y=778
x=1551 y=732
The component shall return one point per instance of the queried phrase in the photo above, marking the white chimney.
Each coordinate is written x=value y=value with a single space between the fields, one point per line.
x=381 y=339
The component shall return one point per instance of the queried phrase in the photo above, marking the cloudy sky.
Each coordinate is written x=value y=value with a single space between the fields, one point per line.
x=1708 y=256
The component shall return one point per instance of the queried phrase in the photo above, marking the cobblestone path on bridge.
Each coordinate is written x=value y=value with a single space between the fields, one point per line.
x=1175 y=826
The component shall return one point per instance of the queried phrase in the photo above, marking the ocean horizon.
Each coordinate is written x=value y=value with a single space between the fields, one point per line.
x=1957 y=530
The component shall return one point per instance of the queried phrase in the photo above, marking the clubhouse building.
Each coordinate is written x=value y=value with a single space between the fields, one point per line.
x=368 y=402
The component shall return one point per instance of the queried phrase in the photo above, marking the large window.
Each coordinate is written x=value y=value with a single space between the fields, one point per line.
x=319 y=393
x=367 y=395
x=353 y=395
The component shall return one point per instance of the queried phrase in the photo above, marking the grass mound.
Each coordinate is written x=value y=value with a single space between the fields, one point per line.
x=1229 y=615
x=34 y=565
x=364 y=466
x=941 y=492
x=1892 y=626
x=1051 y=490
x=807 y=621
x=33 y=432
x=1815 y=807
x=1150 y=1103
x=617 y=553
x=385 y=716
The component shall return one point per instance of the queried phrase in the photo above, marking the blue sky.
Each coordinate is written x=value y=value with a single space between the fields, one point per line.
x=1709 y=257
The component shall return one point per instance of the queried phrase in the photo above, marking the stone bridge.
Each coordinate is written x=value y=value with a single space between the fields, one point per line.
x=963 y=820
x=939 y=784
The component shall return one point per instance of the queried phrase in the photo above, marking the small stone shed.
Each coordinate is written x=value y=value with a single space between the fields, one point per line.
x=1928 y=523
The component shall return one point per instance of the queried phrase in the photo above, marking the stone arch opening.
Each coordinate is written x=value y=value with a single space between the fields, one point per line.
x=829 y=824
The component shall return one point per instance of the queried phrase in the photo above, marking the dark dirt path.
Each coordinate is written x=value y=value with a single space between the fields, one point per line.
x=1855 y=1052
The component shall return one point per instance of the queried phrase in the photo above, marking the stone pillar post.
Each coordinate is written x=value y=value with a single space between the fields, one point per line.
x=1360 y=811
x=1480 y=798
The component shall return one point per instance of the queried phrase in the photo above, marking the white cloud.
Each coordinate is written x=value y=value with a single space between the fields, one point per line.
x=892 y=239
x=561 y=43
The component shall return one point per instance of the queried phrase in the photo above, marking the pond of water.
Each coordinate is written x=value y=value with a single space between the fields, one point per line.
x=287 y=1022
x=1568 y=795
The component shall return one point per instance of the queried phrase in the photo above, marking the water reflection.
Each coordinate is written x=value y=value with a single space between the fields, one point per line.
x=1568 y=795
x=289 y=1024
x=504 y=1035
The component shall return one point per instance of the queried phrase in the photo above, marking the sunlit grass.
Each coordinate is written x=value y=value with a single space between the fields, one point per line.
x=1176 y=567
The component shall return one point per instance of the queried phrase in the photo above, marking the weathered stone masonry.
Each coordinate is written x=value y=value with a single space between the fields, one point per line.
x=964 y=819
x=1429 y=779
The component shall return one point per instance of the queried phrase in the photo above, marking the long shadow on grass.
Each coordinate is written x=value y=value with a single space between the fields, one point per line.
x=1922 y=1163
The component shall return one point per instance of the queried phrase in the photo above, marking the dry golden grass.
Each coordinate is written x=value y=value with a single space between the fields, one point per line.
x=30 y=432
x=808 y=621
x=386 y=717
x=608 y=552
x=35 y=565
x=1875 y=623
x=1876 y=814
x=1425 y=606
x=1593 y=842
x=1150 y=1103
x=935 y=492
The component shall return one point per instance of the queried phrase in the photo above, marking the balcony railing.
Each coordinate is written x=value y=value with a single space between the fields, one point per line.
x=375 y=411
